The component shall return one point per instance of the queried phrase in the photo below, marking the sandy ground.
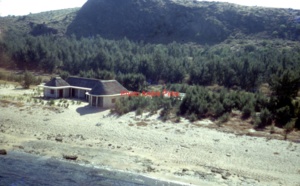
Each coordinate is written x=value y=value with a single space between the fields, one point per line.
x=181 y=152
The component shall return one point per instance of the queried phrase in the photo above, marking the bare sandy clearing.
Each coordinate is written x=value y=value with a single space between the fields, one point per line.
x=182 y=151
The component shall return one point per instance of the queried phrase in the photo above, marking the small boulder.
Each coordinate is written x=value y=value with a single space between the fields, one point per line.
x=185 y=170
x=226 y=175
x=59 y=139
x=3 y=152
x=70 y=157
x=150 y=169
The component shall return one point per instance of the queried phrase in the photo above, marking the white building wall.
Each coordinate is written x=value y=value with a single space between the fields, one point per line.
x=47 y=93
x=107 y=101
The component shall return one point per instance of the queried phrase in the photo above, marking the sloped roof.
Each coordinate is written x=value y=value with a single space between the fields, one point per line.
x=57 y=82
x=108 y=87
x=82 y=82
x=98 y=87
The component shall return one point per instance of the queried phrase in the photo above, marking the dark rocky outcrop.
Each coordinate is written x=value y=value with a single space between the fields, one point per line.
x=3 y=152
x=42 y=29
x=70 y=157
x=59 y=139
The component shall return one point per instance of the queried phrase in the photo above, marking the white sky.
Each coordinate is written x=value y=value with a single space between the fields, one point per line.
x=24 y=7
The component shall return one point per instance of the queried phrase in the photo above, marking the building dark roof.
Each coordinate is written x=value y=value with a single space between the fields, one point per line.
x=98 y=87
x=82 y=82
x=109 y=87
x=57 y=82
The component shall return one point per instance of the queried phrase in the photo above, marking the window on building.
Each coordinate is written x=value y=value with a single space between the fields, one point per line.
x=51 y=91
x=113 y=100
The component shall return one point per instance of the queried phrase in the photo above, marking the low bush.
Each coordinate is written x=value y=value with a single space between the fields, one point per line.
x=265 y=118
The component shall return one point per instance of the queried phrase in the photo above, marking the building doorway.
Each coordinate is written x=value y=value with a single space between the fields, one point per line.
x=61 y=93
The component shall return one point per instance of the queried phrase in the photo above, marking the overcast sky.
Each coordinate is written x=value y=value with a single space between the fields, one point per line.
x=24 y=7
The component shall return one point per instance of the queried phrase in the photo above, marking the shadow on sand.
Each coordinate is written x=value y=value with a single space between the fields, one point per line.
x=89 y=110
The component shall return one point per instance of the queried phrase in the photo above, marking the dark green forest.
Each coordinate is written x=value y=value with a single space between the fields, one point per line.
x=240 y=62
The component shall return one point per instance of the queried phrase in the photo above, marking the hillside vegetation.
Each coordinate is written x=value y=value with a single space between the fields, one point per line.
x=182 y=21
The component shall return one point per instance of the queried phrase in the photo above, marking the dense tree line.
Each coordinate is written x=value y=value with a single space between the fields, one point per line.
x=236 y=64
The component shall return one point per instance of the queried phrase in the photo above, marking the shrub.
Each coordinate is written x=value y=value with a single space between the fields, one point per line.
x=218 y=109
x=51 y=102
x=289 y=127
x=165 y=113
x=265 y=118
x=178 y=119
x=283 y=115
x=247 y=111
x=28 y=79
x=224 y=118
x=193 y=117
x=138 y=112
x=66 y=105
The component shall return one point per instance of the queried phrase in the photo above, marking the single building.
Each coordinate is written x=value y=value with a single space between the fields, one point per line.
x=99 y=93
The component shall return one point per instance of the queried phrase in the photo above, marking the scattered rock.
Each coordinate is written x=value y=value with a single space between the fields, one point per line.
x=226 y=175
x=150 y=169
x=228 y=155
x=59 y=139
x=80 y=136
x=217 y=170
x=204 y=175
x=49 y=137
x=184 y=146
x=3 y=152
x=109 y=145
x=276 y=153
x=18 y=146
x=98 y=124
x=185 y=170
x=118 y=147
x=70 y=157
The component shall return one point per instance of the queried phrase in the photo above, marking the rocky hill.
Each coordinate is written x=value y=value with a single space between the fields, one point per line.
x=164 y=21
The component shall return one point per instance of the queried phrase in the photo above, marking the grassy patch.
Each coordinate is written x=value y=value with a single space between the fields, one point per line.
x=5 y=103
x=142 y=124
